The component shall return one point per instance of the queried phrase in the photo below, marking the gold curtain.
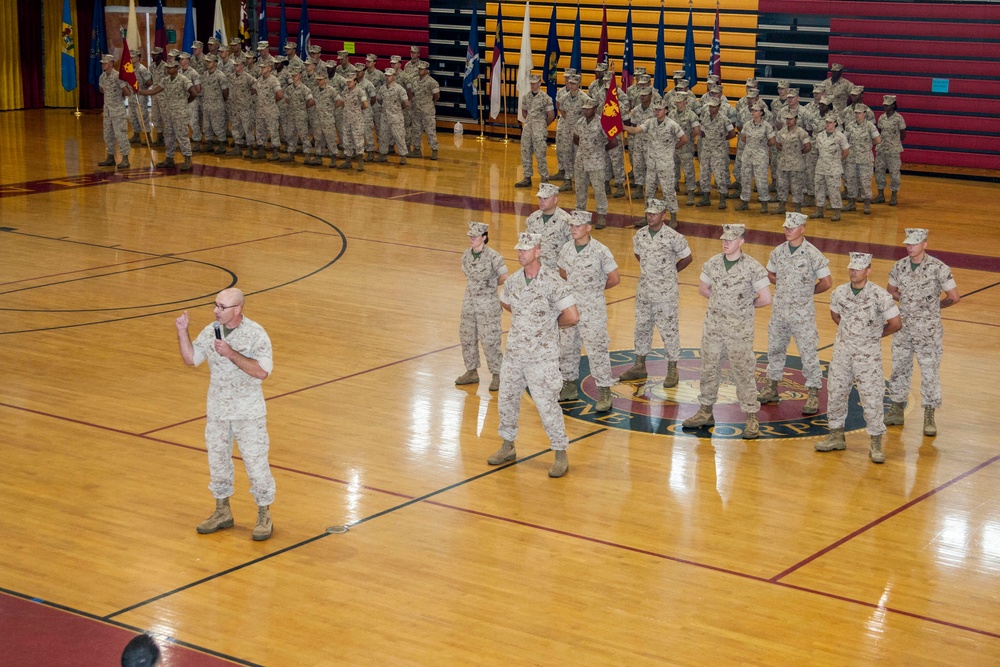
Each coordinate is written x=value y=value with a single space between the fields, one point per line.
x=11 y=94
x=55 y=96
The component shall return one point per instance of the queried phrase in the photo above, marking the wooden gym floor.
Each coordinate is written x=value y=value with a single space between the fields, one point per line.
x=656 y=548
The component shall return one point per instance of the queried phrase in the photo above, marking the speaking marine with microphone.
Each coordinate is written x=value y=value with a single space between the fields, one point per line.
x=238 y=352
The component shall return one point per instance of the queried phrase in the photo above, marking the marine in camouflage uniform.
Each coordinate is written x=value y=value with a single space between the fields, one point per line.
x=157 y=72
x=194 y=106
x=214 y=93
x=353 y=101
x=115 y=115
x=756 y=137
x=684 y=156
x=665 y=137
x=837 y=87
x=864 y=313
x=735 y=284
x=742 y=111
x=240 y=358
x=713 y=152
x=377 y=78
x=614 y=158
x=916 y=281
x=175 y=89
x=299 y=100
x=484 y=271
x=537 y=112
x=862 y=135
x=267 y=90
x=406 y=80
x=662 y=254
x=568 y=112
x=853 y=102
x=324 y=126
x=540 y=302
x=799 y=271
x=811 y=121
x=887 y=154
x=393 y=100
x=591 y=145
x=590 y=268
x=639 y=143
x=241 y=109
x=831 y=147
x=145 y=80
x=425 y=94
x=369 y=115
x=793 y=145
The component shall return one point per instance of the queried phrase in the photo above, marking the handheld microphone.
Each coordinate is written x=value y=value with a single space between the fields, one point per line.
x=218 y=330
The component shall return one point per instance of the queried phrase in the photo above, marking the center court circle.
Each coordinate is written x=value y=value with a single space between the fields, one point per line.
x=645 y=406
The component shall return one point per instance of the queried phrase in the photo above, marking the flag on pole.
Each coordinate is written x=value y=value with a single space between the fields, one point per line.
x=262 y=23
x=188 y=28
x=602 y=47
x=496 y=73
x=611 y=115
x=526 y=62
x=551 y=63
x=303 y=39
x=470 y=83
x=244 y=24
x=715 y=60
x=132 y=34
x=690 y=66
x=282 y=29
x=576 y=57
x=628 y=59
x=126 y=72
x=160 y=39
x=98 y=44
x=660 y=71
x=219 y=27
x=68 y=49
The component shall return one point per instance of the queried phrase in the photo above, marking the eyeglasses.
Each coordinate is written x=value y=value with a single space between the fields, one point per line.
x=219 y=306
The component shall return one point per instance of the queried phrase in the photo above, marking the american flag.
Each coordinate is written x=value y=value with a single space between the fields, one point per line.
x=715 y=59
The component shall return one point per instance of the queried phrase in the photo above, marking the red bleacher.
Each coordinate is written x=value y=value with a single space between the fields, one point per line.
x=872 y=27
x=981 y=13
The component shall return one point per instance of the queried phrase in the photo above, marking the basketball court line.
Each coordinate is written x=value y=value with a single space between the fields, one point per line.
x=67 y=273
x=75 y=280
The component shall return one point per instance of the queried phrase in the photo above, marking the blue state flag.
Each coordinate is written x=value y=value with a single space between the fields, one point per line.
x=470 y=83
x=68 y=47
x=690 y=66
x=262 y=24
x=188 y=28
x=660 y=71
x=550 y=66
x=303 y=32
x=576 y=57
x=282 y=29
x=628 y=59
x=98 y=44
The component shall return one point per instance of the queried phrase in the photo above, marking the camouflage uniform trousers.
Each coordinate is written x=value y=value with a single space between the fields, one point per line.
x=592 y=331
x=481 y=322
x=412 y=134
x=565 y=149
x=738 y=160
x=283 y=123
x=354 y=135
x=887 y=162
x=827 y=187
x=194 y=119
x=133 y=114
x=251 y=437
x=639 y=152
x=862 y=366
x=715 y=163
x=175 y=130
x=584 y=177
x=267 y=126
x=324 y=134
x=614 y=163
x=377 y=120
x=533 y=143
x=738 y=348
x=790 y=180
x=754 y=171
x=809 y=186
x=926 y=345
x=338 y=121
x=542 y=378
x=298 y=130
x=242 y=124
x=391 y=132
x=660 y=171
x=780 y=330
x=215 y=121
x=116 y=129
x=684 y=163
x=662 y=314
x=156 y=115
x=425 y=122
x=369 y=116
x=859 y=179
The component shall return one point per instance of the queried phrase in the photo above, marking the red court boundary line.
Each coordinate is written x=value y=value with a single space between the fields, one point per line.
x=781 y=575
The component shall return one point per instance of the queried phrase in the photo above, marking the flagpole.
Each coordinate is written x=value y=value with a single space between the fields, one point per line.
x=482 y=118
x=142 y=128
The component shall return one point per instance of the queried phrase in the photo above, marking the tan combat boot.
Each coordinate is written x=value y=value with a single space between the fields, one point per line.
x=868 y=207
x=495 y=382
x=690 y=200
x=672 y=223
x=602 y=221
x=705 y=200
x=108 y=161
x=836 y=215
x=880 y=198
x=361 y=162
x=743 y=205
x=263 y=529
x=434 y=155
x=561 y=464
x=812 y=402
x=638 y=370
x=504 y=454
x=165 y=163
x=567 y=185
x=468 y=377
x=222 y=518
x=523 y=183
x=834 y=441
x=569 y=391
x=752 y=430
x=850 y=207
x=186 y=165
x=124 y=164
x=604 y=401
x=769 y=394
x=722 y=203
x=619 y=191
x=894 y=417
x=875 y=453
x=703 y=417
x=637 y=193
x=672 y=377
x=780 y=210
x=892 y=199
x=818 y=213
x=930 y=428
x=381 y=157
x=763 y=207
